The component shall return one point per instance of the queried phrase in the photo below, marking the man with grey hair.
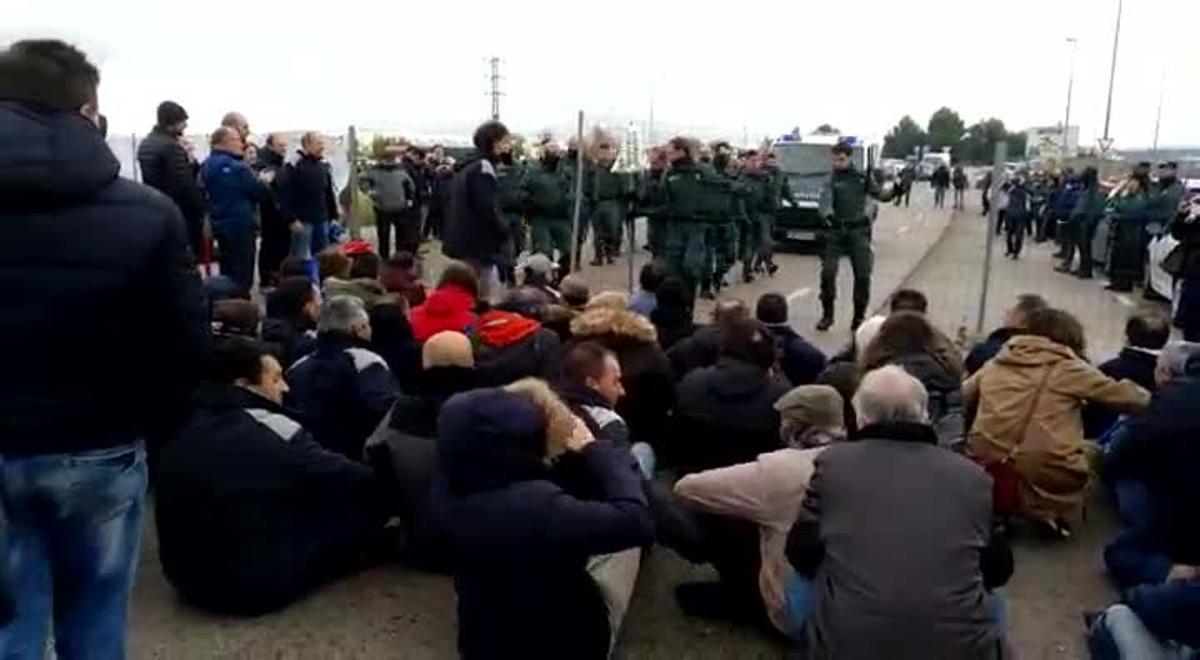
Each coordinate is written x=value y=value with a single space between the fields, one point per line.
x=342 y=388
x=1151 y=462
x=893 y=546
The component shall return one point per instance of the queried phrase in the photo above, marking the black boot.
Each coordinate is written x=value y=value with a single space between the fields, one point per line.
x=747 y=275
x=860 y=312
x=826 y=321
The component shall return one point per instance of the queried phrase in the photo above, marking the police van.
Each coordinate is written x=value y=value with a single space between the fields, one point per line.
x=808 y=164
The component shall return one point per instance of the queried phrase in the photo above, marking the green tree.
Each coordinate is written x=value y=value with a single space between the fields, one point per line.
x=826 y=129
x=904 y=138
x=980 y=140
x=945 y=129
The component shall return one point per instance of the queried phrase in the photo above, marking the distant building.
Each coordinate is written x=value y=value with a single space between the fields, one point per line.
x=1047 y=141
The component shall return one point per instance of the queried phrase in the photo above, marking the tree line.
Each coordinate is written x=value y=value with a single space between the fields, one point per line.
x=972 y=144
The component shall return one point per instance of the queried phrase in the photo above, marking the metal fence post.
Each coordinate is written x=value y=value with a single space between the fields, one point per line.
x=578 y=210
x=352 y=184
x=993 y=219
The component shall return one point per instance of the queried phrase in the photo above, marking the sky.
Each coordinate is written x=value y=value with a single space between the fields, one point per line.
x=747 y=68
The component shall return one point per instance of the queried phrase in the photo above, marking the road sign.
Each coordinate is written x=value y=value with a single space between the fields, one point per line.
x=1105 y=144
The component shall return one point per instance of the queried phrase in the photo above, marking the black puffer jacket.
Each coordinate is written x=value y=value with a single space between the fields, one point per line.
x=100 y=305
x=166 y=168
x=725 y=415
x=474 y=229
x=306 y=193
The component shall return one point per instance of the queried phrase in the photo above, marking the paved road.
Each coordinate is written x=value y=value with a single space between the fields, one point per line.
x=392 y=612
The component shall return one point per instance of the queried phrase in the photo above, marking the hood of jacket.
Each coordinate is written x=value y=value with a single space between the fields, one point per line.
x=49 y=158
x=1033 y=351
x=489 y=439
x=447 y=308
x=497 y=329
x=619 y=324
x=216 y=396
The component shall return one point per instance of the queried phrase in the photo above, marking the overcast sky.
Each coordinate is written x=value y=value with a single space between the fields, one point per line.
x=765 y=66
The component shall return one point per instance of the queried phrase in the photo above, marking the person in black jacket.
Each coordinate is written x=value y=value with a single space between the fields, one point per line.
x=475 y=231
x=342 y=389
x=291 y=322
x=523 y=543
x=1014 y=320
x=403 y=450
x=1186 y=230
x=306 y=197
x=166 y=167
x=1145 y=335
x=273 y=226
x=251 y=512
x=799 y=360
x=703 y=347
x=108 y=328
x=725 y=413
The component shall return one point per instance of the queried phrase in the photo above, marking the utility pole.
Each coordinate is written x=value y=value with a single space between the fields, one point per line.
x=1066 y=136
x=650 y=126
x=496 y=93
x=1162 y=85
x=1112 y=74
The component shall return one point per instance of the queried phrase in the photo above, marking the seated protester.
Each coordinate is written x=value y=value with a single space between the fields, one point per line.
x=1154 y=622
x=511 y=345
x=524 y=544
x=331 y=262
x=609 y=300
x=908 y=340
x=1153 y=467
x=855 y=593
x=538 y=274
x=403 y=449
x=725 y=413
x=799 y=360
x=645 y=300
x=1145 y=334
x=392 y=338
x=908 y=300
x=575 y=291
x=291 y=322
x=591 y=384
x=342 y=389
x=297 y=267
x=251 y=513
x=842 y=372
x=451 y=306
x=236 y=318
x=400 y=275
x=673 y=317
x=767 y=492
x=703 y=347
x=1014 y=323
x=646 y=374
x=1028 y=432
x=364 y=266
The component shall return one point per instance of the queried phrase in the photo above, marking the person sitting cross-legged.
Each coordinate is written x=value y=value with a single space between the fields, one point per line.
x=342 y=389
x=893 y=547
x=766 y=492
x=251 y=512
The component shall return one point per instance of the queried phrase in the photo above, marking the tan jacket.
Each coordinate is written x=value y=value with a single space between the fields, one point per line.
x=1030 y=399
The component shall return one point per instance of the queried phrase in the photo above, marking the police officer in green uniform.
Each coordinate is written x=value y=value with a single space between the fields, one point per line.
x=509 y=174
x=847 y=232
x=1129 y=209
x=1165 y=196
x=650 y=199
x=684 y=195
x=1081 y=225
x=778 y=191
x=547 y=191
x=609 y=193
x=569 y=167
x=720 y=240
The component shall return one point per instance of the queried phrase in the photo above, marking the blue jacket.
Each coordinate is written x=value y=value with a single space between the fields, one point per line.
x=233 y=190
x=522 y=541
x=343 y=392
x=284 y=516
x=100 y=302
x=1169 y=611
x=800 y=361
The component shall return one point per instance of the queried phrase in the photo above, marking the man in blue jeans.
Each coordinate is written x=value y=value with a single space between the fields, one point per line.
x=101 y=304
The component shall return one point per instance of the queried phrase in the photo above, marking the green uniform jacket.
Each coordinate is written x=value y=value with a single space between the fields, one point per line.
x=779 y=189
x=1089 y=208
x=508 y=179
x=844 y=198
x=547 y=191
x=1164 y=204
x=607 y=184
x=693 y=193
x=1130 y=209
x=651 y=194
